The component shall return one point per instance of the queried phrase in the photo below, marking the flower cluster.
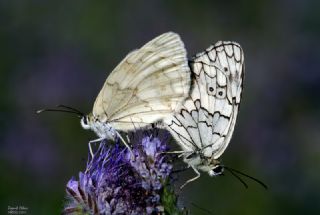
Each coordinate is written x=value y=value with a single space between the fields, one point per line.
x=118 y=181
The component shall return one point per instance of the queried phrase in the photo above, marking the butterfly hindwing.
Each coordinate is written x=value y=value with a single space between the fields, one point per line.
x=207 y=118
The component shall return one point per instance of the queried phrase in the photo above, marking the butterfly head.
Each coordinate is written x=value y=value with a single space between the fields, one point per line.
x=210 y=165
x=86 y=121
x=207 y=164
x=102 y=128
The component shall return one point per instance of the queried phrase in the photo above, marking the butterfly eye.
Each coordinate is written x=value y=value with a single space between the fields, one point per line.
x=217 y=170
x=84 y=122
x=221 y=93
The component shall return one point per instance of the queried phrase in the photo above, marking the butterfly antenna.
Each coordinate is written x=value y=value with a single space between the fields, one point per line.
x=233 y=171
x=68 y=110
x=71 y=108
x=236 y=176
x=56 y=110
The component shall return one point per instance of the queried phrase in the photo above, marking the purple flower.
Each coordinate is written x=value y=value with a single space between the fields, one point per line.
x=118 y=182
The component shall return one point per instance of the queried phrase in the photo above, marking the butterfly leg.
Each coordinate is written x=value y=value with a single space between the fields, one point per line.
x=124 y=142
x=175 y=152
x=90 y=146
x=192 y=179
x=128 y=138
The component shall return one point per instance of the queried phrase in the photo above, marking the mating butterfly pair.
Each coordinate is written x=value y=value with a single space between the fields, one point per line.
x=197 y=101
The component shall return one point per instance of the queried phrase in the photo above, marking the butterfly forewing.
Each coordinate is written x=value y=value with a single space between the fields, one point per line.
x=146 y=86
x=207 y=118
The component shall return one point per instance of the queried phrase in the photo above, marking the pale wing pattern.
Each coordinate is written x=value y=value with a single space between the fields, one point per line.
x=207 y=118
x=146 y=86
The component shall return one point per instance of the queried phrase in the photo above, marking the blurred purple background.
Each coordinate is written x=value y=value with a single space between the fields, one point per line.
x=60 y=52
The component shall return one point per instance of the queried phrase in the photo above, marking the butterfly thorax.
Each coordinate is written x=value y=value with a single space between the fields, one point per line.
x=102 y=128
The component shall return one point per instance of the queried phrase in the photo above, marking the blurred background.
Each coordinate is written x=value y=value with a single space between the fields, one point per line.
x=60 y=52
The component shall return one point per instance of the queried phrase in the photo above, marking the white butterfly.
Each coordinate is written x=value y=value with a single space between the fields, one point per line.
x=204 y=124
x=147 y=86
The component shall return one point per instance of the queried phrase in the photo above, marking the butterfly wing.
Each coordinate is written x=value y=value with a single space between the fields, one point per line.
x=146 y=86
x=207 y=118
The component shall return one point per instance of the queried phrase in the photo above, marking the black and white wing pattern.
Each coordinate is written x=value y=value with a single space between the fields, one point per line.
x=206 y=120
